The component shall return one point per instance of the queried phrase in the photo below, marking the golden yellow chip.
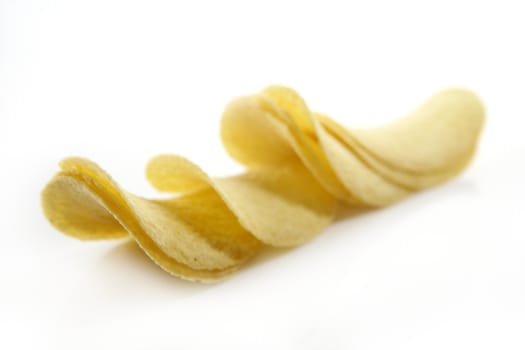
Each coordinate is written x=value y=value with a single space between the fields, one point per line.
x=427 y=147
x=300 y=164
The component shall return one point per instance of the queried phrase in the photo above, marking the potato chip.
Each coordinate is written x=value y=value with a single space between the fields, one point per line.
x=360 y=184
x=281 y=206
x=300 y=164
x=245 y=144
x=411 y=180
x=443 y=131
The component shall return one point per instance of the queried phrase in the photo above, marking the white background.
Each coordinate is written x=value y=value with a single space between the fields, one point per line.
x=121 y=81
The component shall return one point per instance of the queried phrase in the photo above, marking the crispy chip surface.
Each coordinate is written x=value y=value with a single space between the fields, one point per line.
x=299 y=166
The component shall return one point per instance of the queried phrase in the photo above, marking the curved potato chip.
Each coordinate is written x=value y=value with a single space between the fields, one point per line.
x=411 y=180
x=376 y=182
x=442 y=131
x=359 y=183
x=206 y=228
x=299 y=164
x=246 y=146
x=429 y=146
x=193 y=236
x=281 y=206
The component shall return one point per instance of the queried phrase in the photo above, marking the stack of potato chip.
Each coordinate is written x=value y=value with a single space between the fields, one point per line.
x=299 y=166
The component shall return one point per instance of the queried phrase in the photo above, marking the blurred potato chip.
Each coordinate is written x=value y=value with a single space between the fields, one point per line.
x=299 y=166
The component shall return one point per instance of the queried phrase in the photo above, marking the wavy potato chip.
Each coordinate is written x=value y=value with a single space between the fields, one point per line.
x=300 y=165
